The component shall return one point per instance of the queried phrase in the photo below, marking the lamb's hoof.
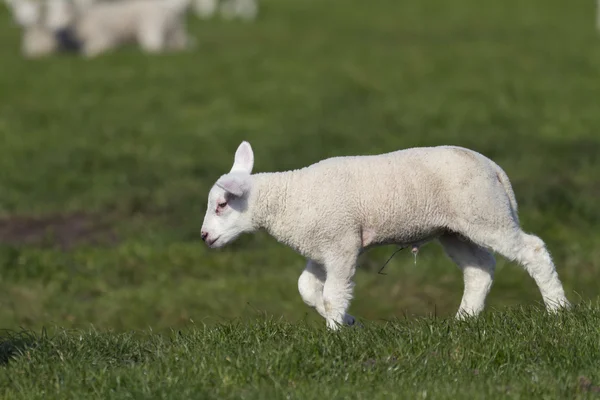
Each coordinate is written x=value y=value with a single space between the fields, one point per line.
x=349 y=320
x=465 y=315
x=560 y=304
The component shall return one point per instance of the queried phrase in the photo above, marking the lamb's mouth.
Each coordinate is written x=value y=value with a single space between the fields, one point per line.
x=212 y=242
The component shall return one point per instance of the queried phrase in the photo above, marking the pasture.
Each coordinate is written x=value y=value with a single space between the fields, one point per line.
x=106 y=290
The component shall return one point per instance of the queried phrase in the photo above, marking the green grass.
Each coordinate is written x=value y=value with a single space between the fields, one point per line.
x=137 y=141
x=516 y=354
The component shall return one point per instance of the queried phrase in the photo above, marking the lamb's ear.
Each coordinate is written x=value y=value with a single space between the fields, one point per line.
x=237 y=184
x=244 y=158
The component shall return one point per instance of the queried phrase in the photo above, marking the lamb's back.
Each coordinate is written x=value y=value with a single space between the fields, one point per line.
x=401 y=196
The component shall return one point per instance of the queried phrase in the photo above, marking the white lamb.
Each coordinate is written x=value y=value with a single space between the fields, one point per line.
x=333 y=210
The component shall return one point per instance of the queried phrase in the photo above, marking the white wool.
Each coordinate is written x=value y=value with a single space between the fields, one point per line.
x=333 y=210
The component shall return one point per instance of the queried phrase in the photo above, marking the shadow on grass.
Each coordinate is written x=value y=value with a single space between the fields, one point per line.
x=13 y=344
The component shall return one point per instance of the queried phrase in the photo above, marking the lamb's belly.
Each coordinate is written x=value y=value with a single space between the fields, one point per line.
x=399 y=235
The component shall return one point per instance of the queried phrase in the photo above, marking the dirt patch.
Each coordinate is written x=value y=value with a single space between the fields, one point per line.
x=585 y=385
x=62 y=230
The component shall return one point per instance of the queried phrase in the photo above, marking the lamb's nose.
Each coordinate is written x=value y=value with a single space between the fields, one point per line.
x=204 y=235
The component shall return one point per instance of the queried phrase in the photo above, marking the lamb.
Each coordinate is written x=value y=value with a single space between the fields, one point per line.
x=156 y=25
x=332 y=211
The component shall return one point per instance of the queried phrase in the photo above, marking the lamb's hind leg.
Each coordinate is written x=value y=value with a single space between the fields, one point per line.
x=478 y=266
x=529 y=251
x=311 y=284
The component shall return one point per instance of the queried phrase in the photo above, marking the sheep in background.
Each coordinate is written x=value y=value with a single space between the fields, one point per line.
x=229 y=9
x=155 y=25
x=333 y=210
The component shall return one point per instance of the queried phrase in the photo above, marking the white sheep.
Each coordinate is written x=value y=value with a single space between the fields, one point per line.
x=333 y=210
x=55 y=25
x=156 y=25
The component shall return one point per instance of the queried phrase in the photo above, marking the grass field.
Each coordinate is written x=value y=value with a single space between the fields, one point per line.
x=106 y=290
x=519 y=354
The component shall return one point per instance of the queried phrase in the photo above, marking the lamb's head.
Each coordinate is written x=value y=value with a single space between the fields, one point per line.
x=227 y=215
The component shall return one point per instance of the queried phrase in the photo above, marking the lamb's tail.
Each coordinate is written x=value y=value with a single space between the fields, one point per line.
x=503 y=178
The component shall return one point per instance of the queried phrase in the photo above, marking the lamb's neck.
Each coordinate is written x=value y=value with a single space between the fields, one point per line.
x=268 y=200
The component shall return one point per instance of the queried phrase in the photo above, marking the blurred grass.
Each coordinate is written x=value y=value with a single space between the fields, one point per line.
x=139 y=140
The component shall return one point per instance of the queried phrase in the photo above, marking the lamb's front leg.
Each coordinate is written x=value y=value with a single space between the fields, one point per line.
x=311 y=285
x=337 y=290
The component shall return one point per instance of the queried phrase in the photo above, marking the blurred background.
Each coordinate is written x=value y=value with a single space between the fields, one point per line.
x=106 y=163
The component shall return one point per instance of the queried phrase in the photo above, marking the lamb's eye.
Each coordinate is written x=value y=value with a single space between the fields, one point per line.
x=222 y=205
